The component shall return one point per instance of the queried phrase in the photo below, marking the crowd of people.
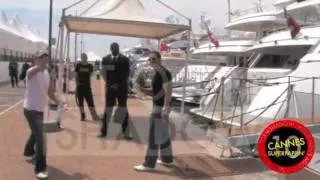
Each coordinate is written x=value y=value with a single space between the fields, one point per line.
x=115 y=70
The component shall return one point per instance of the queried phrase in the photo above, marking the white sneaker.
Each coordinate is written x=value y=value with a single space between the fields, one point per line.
x=42 y=175
x=164 y=163
x=142 y=168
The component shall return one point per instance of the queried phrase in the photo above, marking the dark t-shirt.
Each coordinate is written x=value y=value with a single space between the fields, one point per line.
x=162 y=75
x=84 y=72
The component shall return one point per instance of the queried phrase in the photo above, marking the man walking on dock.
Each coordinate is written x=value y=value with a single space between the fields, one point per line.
x=159 y=136
x=38 y=87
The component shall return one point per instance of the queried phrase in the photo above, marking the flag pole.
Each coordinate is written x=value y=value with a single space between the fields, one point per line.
x=50 y=34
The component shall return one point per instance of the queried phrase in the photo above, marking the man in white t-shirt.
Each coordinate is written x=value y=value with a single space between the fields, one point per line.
x=38 y=88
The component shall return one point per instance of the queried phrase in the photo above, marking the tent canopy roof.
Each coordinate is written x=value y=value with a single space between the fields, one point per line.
x=121 y=18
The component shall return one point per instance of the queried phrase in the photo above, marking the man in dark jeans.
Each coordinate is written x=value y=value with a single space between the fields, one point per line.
x=13 y=73
x=159 y=136
x=38 y=87
x=115 y=71
x=84 y=71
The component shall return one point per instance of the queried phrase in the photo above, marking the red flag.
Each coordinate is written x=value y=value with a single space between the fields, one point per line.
x=292 y=24
x=211 y=38
x=164 y=46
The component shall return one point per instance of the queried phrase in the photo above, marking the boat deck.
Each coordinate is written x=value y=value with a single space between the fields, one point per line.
x=76 y=153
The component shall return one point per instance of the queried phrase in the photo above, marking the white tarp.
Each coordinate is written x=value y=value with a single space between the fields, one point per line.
x=24 y=29
x=129 y=10
x=10 y=38
x=122 y=18
x=15 y=28
x=15 y=37
x=36 y=33
x=4 y=23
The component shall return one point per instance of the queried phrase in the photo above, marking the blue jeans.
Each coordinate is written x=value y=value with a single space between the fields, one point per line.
x=159 y=138
x=35 y=144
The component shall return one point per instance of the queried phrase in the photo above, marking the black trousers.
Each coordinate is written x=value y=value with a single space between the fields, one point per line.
x=85 y=93
x=14 y=79
x=159 y=140
x=36 y=142
x=122 y=114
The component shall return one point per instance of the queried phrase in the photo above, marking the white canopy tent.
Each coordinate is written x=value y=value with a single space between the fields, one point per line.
x=120 y=18
x=25 y=30
x=14 y=27
x=5 y=34
x=11 y=36
x=36 y=33
x=34 y=41
x=116 y=17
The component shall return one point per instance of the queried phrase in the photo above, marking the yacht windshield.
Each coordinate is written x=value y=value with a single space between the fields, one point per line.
x=314 y=47
x=272 y=61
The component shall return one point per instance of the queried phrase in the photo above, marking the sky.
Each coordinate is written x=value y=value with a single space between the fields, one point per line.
x=36 y=13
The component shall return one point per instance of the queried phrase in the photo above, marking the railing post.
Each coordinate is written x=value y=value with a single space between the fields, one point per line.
x=222 y=97
x=312 y=100
x=241 y=103
x=289 y=92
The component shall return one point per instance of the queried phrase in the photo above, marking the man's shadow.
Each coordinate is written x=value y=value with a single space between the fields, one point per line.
x=55 y=173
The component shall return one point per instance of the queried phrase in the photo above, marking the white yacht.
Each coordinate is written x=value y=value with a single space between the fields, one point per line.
x=301 y=99
x=228 y=55
x=276 y=55
x=176 y=66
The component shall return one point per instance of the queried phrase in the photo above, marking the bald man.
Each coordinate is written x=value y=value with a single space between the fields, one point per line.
x=115 y=71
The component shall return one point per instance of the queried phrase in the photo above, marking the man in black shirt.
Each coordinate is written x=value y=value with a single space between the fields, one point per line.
x=83 y=74
x=159 y=137
x=13 y=73
x=115 y=71
x=24 y=70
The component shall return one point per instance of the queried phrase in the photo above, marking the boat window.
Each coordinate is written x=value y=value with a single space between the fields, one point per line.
x=314 y=47
x=272 y=61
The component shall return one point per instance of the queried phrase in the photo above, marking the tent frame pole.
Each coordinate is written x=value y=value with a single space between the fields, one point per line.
x=61 y=53
x=68 y=63
x=75 y=47
x=186 y=70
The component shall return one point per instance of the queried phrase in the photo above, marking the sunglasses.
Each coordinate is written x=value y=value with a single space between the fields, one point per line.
x=152 y=59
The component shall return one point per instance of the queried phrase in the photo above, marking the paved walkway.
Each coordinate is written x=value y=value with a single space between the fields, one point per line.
x=75 y=153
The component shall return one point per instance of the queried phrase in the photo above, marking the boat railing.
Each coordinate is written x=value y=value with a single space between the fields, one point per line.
x=258 y=9
x=233 y=125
